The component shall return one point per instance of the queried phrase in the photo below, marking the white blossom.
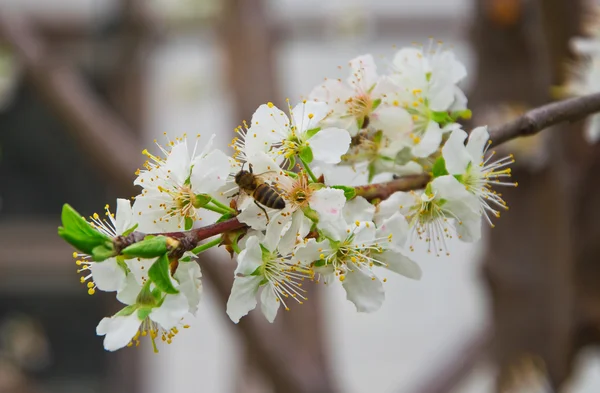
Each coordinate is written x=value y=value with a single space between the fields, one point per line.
x=361 y=101
x=261 y=268
x=354 y=247
x=171 y=185
x=108 y=275
x=429 y=79
x=477 y=173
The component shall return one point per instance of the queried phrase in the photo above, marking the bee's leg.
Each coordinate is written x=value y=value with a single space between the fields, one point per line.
x=263 y=209
x=234 y=195
x=250 y=167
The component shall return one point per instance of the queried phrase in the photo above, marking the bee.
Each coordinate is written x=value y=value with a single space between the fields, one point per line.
x=262 y=192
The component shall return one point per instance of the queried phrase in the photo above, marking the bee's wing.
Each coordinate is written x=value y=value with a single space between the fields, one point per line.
x=243 y=199
x=271 y=177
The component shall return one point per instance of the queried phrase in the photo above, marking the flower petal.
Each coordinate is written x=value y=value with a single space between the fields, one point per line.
x=188 y=275
x=118 y=330
x=364 y=73
x=108 y=275
x=397 y=202
x=307 y=115
x=366 y=294
x=250 y=258
x=397 y=262
x=328 y=203
x=171 y=311
x=455 y=153
x=430 y=142
x=397 y=227
x=123 y=216
x=269 y=303
x=311 y=251
x=329 y=144
x=178 y=163
x=358 y=209
x=130 y=291
x=243 y=297
x=209 y=173
x=334 y=93
x=478 y=140
x=395 y=121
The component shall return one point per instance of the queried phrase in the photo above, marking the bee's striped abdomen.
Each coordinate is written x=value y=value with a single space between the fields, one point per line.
x=268 y=196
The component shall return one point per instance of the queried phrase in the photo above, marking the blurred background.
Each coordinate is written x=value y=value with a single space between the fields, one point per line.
x=86 y=84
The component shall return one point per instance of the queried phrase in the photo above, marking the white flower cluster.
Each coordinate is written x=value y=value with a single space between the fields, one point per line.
x=302 y=222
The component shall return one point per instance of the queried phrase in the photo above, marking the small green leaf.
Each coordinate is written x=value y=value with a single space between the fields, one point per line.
x=225 y=217
x=428 y=76
x=292 y=164
x=376 y=103
x=143 y=312
x=459 y=178
x=311 y=214
x=441 y=118
x=428 y=189
x=266 y=254
x=126 y=311
x=306 y=154
x=103 y=252
x=378 y=137
x=439 y=167
x=349 y=192
x=465 y=114
x=312 y=132
x=130 y=230
x=372 y=171
x=81 y=242
x=189 y=223
x=202 y=200
x=150 y=247
x=75 y=223
x=320 y=263
x=160 y=276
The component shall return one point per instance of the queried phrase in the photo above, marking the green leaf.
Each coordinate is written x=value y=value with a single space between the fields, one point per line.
x=372 y=171
x=465 y=114
x=126 y=311
x=130 y=230
x=349 y=192
x=292 y=164
x=143 y=312
x=319 y=263
x=81 y=242
x=376 y=103
x=378 y=137
x=189 y=223
x=306 y=154
x=441 y=118
x=311 y=214
x=312 y=132
x=202 y=200
x=74 y=222
x=428 y=189
x=103 y=252
x=439 y=167
x=160 y=276
x=150 y=247
x=225 y=217
x=78 y=232
x=459 y=178
x=428 y=76
x=266 y=254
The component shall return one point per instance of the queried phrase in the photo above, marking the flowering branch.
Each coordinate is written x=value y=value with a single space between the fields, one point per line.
x=546 y=116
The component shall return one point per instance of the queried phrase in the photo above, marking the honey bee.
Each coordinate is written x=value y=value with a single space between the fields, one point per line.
x=255 y=186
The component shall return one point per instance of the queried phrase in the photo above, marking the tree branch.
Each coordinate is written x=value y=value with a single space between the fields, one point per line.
x=539 y=119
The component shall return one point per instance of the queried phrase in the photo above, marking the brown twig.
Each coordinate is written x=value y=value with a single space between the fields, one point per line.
x=538 y=119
